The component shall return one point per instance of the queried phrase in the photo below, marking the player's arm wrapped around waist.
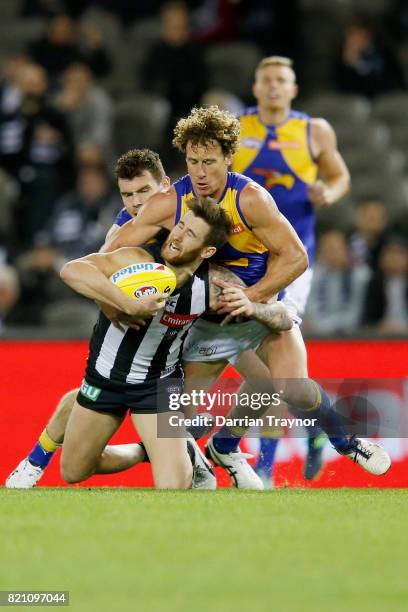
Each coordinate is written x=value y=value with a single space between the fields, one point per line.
x=230 y=299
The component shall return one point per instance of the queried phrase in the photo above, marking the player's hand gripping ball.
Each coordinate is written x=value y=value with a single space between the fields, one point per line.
x=142 y=279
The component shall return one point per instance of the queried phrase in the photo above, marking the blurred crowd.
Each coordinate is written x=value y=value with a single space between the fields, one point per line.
x=360 y=280
x=62 y=95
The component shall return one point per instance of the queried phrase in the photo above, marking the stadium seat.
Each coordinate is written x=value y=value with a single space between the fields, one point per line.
x=108 y=24
x=141 y=122
x=395 y=194
x=362 y=136
x=17 y=35
x=390 y=162
x=9 y=191
x=369 y=7
x=144 y=33
x=399 y=137
x=391 y=108
x=338 y=108
x=10 y=9
x=231 y=67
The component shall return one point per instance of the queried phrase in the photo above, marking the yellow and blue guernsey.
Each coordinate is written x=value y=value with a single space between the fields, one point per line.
x=243 y=254
x=280 y=159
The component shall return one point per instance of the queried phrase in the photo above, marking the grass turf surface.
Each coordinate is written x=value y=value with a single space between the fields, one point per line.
x=283 y=550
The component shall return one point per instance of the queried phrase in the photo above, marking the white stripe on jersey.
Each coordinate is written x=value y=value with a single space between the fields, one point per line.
x=172 y=357
x=147 y=348
x=198 y=295
x=109 y=350
x=197 y=301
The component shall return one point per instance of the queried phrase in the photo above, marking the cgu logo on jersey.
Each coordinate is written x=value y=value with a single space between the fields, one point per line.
x=175 y=320
x=92 y=393
x=134 y=268
x=273 y=177
x=143 y=291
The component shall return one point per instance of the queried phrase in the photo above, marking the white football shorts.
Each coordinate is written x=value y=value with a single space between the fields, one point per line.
x=208 y=341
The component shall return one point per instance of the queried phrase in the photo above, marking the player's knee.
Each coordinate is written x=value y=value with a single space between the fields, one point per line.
x=67 y=402
x=71 y=473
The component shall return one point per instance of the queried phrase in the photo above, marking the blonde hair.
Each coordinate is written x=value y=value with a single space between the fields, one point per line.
x=275 y=60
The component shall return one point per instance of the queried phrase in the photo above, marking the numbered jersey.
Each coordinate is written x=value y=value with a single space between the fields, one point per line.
x=280 y=159
x=243 y=254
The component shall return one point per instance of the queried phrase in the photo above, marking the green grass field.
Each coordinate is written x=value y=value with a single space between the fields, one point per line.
x=283 y=550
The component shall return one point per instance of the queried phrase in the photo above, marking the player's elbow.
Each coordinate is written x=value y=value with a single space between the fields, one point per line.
x=117 y=240
x=300 y=259
x=68 y=272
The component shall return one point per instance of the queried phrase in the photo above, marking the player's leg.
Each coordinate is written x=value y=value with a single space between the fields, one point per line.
x=87 y=433
x=286 y=357
x=289 y=375
x=200 y=376
x=313 y=402
x=119 y=457
x=170 y=461
x=31 y=468
x=208 y=348
x=58 y=422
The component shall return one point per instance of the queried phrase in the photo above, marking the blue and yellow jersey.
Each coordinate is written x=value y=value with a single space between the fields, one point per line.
x=243 y=254
x=280 y=159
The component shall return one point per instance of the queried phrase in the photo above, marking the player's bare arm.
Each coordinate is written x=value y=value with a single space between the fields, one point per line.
x=287 y=255
x=334 y=177
x=227 y=295
x=89 y=276
x=112 y=231
x=158 y=213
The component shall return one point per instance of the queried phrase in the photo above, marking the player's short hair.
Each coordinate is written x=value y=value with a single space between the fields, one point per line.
x=275 y=60
x=136 y=161
x=204 y=125
x=216 y=217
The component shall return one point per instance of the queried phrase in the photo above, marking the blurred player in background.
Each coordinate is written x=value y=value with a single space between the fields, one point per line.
x=140 y=175
x=295 y=158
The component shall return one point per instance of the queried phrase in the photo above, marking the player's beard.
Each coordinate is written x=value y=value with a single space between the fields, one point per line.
x=179 y=258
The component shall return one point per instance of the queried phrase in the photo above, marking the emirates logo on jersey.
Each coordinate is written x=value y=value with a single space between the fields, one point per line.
x=175 y=320
x=237 y=229
x=276 y=145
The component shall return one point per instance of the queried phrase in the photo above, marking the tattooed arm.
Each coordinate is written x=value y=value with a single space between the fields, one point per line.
x=222 y=274
x=227 y=297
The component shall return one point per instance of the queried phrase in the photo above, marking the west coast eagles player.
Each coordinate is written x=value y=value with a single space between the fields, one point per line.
x=294 y=157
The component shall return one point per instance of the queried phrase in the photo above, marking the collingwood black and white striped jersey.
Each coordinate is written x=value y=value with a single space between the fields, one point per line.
x=153 y=352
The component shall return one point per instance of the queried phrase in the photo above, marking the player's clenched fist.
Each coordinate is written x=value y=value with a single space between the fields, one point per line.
x=320 y=194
